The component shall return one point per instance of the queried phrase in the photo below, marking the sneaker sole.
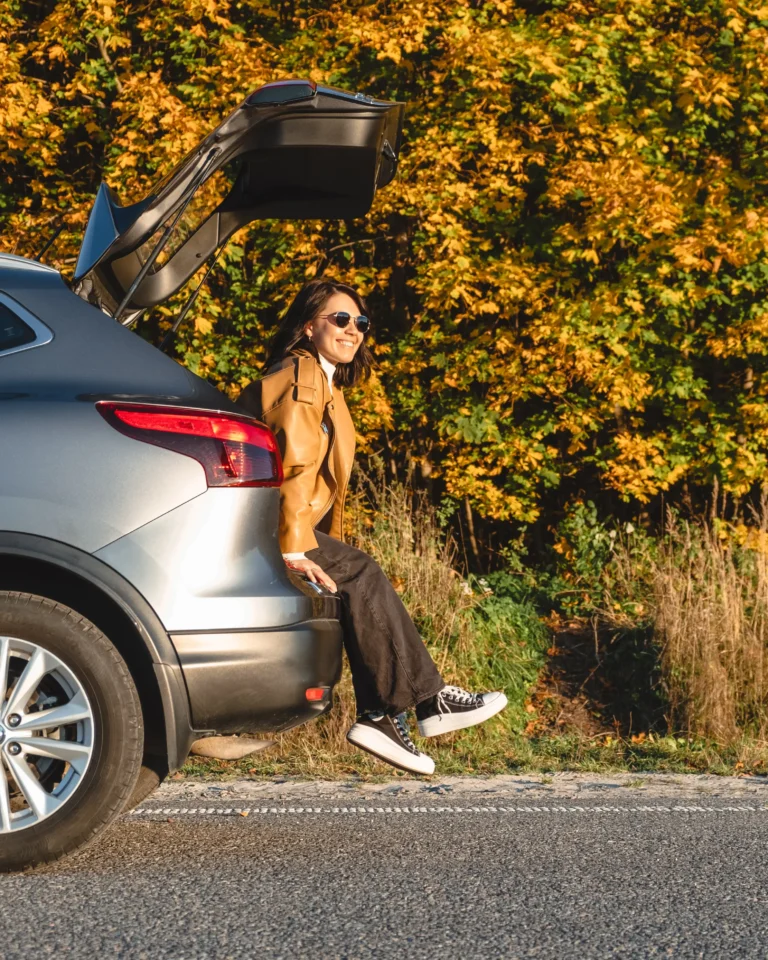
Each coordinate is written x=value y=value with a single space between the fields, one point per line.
x=448 y=722
x=382 y=747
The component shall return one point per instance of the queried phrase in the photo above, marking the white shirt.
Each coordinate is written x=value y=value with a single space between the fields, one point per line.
x=329 y=369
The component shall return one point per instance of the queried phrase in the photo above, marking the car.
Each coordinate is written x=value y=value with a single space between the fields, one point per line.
x=144 y=602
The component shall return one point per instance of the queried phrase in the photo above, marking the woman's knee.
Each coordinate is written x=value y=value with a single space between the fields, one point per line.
x=362 y=564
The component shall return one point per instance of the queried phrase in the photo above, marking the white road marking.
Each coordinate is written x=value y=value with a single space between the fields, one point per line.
x=246 y=811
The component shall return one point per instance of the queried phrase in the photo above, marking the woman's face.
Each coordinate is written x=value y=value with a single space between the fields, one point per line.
x=335 y=344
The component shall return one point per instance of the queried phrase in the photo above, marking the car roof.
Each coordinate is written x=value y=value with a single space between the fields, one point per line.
x=9 y=261
x=88 y=356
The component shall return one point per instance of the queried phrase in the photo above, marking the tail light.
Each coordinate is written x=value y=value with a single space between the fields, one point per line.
x=234 y=451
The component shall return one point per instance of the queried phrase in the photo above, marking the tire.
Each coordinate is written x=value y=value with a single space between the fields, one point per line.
x=152 y=774
x=82 y=672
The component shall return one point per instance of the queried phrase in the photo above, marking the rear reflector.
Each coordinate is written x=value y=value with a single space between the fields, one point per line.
x=316 y=693
x=234 y=451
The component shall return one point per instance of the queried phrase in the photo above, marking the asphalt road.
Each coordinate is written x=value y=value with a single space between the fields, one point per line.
x=439 y=881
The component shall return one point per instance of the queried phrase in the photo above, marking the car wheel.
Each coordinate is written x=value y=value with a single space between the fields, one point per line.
x=71 y=731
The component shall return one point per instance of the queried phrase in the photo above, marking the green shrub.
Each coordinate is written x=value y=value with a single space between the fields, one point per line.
x=509 y=643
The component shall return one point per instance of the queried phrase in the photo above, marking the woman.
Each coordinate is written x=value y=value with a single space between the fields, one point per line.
x=318 y=349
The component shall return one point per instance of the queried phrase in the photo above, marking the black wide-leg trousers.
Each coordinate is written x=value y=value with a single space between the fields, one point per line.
x=391 y=668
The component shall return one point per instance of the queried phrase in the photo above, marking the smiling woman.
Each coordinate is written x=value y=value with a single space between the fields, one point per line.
x=340 y=347
x=309 y=353
x=319 y=348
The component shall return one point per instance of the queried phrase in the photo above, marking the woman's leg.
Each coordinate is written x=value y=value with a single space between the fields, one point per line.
x=391 y=668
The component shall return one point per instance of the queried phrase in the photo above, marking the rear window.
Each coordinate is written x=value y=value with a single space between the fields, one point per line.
x=13 y=331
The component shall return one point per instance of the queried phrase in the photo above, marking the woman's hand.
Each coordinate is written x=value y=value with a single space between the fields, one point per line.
x=312 y=571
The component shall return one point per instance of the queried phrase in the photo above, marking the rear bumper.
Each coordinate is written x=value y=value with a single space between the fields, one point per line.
x=257 y=680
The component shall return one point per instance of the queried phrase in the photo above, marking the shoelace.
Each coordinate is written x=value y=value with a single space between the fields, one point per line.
x=401 y=727
x=403 y=730
x=458 y=695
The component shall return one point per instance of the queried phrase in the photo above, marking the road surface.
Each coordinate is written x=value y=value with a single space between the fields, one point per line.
x=409 y=873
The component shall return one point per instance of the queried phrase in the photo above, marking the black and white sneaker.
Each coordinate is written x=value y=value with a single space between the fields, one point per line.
x=387 y=738
x=455 y=709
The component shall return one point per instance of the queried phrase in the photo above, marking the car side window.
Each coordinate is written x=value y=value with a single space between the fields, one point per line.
x=13 y=331
x=19 y=329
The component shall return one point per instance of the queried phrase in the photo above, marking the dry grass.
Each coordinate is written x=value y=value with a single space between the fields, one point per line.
x=695 y=600
x=711 y=599
x=704 y=587
x=402 y=533
x=698 y=593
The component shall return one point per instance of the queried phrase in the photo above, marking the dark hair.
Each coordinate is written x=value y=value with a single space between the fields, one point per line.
x=307 y=304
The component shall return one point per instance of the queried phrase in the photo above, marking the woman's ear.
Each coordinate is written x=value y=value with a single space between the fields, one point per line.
x=308 y=331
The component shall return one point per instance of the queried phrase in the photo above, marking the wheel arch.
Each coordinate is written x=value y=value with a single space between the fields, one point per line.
x=62 y=573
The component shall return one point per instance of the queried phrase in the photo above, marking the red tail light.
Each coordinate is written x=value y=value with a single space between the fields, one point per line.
x=234 y=451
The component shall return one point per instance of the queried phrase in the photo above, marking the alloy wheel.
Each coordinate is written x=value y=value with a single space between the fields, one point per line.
x=46 y=734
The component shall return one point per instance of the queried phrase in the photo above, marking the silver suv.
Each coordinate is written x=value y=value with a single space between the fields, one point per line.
x=144 y=602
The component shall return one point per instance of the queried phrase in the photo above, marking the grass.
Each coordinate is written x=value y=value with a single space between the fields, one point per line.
x=508 y=755
x=711 y=596
x=671 y=676
x=706 y=608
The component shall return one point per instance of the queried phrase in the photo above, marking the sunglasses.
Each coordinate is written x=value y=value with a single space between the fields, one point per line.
x=341 y=318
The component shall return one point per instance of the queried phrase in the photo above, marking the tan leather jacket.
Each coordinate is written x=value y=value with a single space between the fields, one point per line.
x=316 y=438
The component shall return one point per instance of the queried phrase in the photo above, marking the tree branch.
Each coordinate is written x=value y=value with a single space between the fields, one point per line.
x=108 y=60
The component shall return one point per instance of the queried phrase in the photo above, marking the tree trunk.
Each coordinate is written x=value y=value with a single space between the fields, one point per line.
x=472 y=537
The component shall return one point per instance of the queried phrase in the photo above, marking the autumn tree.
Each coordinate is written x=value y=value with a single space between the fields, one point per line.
x=567 y=276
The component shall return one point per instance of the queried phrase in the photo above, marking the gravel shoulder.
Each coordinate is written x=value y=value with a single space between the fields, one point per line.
x=557 y=786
